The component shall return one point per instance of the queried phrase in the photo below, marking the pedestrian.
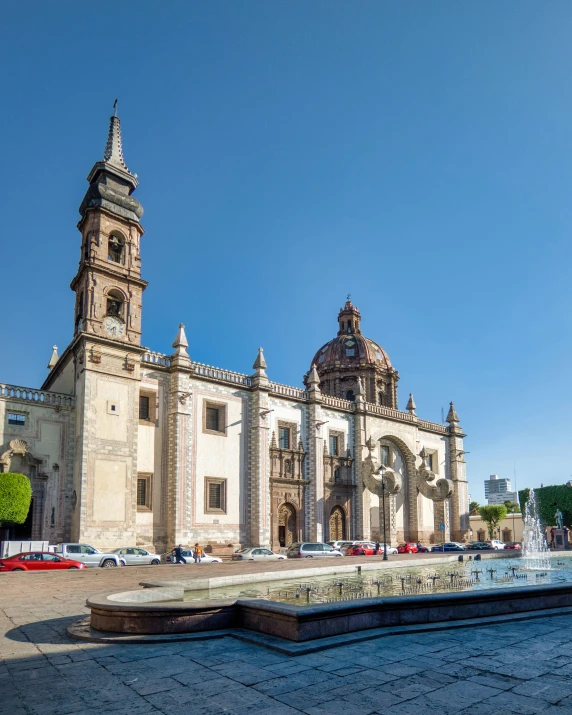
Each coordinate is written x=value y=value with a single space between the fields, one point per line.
x=376 y=552
x=198 y=553
x=179 y=558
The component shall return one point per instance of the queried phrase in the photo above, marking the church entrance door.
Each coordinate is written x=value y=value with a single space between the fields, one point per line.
x=287 y=533
x=337 y=524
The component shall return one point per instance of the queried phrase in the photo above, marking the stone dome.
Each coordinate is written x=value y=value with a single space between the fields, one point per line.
x=351 y=357
x=350 y=348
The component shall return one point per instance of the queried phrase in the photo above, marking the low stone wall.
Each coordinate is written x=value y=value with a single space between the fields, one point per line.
x=302 y=623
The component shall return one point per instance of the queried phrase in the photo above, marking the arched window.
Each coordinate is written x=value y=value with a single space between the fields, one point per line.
x=79 y=312
x=380 y=395
x=350 y=395
x=337 y=476
x=116 y=248
x=115 y=304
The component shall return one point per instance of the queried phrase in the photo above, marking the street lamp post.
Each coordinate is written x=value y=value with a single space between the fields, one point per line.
x=382 y=473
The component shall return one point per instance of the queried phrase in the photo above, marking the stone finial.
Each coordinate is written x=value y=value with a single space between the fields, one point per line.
x=273 y=443
x=325 y=448
x=54 y=358
x=180 y=343
x=452 y=415
x=313 y=377
x=411 y=406
x=423 y=455
x=260 y=363
x=359 y=387
x=114 y=148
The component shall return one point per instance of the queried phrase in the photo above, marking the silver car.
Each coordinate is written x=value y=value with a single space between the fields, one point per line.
x=258 y=553
x=88 y=555
x=311 y=550
x=134 y=556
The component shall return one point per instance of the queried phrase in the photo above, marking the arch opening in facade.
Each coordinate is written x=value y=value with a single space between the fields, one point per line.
x=337 y=524
x=287 y=527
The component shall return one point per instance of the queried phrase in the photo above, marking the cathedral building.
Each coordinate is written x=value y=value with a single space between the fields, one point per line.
x=126 y=446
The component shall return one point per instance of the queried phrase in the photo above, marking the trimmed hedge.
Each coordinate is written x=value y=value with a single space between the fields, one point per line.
x=549 y=499
x=15 y=497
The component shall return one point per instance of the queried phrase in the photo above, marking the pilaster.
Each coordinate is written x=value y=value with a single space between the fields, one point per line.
x=259 y=488
x=316 y=458
x=459 y=500
x=363 y=495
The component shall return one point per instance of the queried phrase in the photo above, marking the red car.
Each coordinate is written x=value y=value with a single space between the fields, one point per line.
x=361 y=548
x=38 y=561
x=513 y=545
x=409 y=548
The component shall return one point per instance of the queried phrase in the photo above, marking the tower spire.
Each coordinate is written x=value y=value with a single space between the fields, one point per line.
x=114 y=147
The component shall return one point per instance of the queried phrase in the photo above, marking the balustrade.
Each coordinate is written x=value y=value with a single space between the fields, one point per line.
x=43 y=397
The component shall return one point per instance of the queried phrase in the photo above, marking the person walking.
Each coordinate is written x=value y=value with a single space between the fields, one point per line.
x=179 y=558
x=198 y=553
x=376 y=550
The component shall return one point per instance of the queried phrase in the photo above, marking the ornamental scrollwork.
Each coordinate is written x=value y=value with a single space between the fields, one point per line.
x=431 y=486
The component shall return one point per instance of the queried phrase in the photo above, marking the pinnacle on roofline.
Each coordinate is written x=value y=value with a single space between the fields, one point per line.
x=114 y=147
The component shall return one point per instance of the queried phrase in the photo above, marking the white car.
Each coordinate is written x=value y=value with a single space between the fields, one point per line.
x=189 y=558
x=134 y=556
x=341 y=546
x=496 y=544
x=257 y=553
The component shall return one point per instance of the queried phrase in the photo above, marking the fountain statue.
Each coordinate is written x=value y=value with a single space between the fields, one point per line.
x=534 y=547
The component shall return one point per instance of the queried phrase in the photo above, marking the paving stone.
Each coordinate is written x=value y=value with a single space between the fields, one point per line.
x=509 y=701
x=495 y=680
x=545 y=688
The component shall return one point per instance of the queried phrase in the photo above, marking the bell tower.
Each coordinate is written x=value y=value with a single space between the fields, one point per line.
x=108 y=284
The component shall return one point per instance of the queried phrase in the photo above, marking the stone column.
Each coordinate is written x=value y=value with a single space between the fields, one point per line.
x=259 y=487
x=363 y=496
x=179 y=525
x=459 y=502
x=316 y=458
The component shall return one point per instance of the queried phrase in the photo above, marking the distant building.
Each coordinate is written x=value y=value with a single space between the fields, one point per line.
x=511 y=528
x=498 y=490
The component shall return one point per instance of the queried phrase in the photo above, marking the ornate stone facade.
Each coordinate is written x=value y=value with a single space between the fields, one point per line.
x=128 y=446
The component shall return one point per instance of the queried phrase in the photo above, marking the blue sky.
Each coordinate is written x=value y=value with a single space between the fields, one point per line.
x=414 y=154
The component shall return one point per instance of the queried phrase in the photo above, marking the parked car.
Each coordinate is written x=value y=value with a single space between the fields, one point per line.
x=88 y=555
x=514 y=545
x=480 y=546
x=259 y=553
x=367 y=548
x=341 y=546
x=134 y=556
x=449 y=546
x=408 y=548
x=496 y=544
x=169 y=558
x=38 y=561
x=311 y=550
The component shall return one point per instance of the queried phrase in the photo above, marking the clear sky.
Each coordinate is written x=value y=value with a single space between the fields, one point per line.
x=415 y=154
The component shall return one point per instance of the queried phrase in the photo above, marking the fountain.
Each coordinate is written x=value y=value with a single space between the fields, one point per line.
x=534 y=547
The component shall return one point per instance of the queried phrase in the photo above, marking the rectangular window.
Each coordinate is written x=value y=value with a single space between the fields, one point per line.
x=16 y=419
x=385 y=455
x=284 y=435
x=350 y=352
x=143 y=492
x=143 y=407
x=215 y=495
x=430 y=462
x=334 y=445
x=214 y=418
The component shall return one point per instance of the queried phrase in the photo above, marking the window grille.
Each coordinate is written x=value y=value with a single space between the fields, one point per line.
x=212 y=419
x=284 y=436
x=141 y=492
x=15 y=419
x=334 y=444
x=215 y=494
x=143 y=407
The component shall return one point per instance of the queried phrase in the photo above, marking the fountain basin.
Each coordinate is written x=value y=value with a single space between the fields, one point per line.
x=303 y=623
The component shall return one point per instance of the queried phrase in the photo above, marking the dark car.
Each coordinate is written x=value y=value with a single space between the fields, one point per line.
x=449 y=546
x=480 y=546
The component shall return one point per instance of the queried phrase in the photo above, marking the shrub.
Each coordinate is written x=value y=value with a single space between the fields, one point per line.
x=15 y=497
x=549 y=499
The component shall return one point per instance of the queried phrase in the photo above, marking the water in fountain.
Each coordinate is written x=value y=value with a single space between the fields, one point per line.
x=534 y=547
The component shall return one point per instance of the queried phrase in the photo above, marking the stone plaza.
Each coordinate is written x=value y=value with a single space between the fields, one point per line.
x=509 y=666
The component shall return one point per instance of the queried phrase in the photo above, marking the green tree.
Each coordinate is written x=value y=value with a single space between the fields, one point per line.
x=15 y=498
x=492 y=515
x=512 y=507
x=474 y=507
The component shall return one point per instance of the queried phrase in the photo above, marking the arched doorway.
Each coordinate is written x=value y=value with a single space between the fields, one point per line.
x=337 y=524
x=287 y=533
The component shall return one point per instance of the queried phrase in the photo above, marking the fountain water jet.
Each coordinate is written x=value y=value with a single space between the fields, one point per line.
x=534 y=547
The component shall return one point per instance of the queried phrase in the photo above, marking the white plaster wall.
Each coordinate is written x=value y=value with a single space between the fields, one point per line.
x=224 y=457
